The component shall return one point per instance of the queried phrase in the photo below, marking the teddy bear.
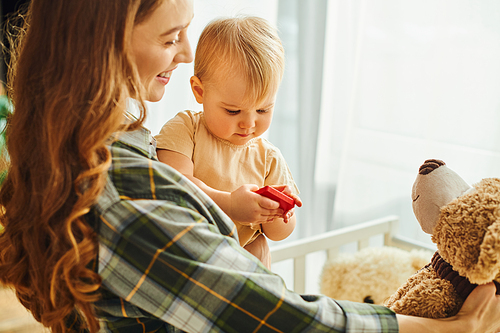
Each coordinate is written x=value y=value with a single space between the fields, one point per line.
x=368 y=275
x=464 y=223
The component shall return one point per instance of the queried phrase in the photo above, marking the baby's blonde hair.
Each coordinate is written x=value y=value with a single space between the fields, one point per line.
x=242 y=44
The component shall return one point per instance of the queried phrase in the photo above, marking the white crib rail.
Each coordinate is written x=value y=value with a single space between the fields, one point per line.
x=332 y=240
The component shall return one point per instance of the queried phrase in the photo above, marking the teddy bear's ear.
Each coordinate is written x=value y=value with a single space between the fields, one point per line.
x=467 y=234
x=488 y=262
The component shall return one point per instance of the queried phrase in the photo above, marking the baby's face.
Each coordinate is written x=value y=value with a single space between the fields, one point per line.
x=229 y=117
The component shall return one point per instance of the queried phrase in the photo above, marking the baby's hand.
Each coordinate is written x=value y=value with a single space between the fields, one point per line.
x=288 y=215
x=287 y=190
x=248 y=207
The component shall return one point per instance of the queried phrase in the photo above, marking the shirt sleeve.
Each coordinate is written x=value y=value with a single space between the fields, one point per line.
x=178 y=134
x=175 y=257
x=277 y=170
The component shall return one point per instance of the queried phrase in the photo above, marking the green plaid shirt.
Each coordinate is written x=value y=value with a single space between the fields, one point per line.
x=170 y=261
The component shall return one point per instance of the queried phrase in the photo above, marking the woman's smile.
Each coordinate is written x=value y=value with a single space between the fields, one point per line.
x=164 y=77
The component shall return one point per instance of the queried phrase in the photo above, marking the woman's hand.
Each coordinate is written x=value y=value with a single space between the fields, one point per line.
x=479 y=314
x=482 y=309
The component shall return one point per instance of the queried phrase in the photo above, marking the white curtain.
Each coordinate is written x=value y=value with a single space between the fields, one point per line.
x=404 y=81
x=298 y=108
x=372 y=89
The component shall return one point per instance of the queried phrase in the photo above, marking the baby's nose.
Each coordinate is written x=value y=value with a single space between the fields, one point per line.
x=247 y=122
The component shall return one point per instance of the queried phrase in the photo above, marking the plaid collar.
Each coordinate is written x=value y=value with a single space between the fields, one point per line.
x=141 y=140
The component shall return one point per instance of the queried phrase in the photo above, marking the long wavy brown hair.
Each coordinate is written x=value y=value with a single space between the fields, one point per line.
x=70 y=76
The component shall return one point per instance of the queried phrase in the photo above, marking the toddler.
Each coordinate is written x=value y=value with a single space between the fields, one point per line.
x=239 y=65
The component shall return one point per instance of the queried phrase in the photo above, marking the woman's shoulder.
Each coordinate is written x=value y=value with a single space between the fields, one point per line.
x=134 y=174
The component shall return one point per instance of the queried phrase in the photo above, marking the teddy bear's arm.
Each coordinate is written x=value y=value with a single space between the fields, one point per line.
x=425 y=294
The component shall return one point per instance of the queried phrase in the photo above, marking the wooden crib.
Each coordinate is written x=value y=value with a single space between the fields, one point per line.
x=331 y=242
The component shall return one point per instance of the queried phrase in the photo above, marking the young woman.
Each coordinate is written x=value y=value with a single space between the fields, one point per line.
x=99 y=234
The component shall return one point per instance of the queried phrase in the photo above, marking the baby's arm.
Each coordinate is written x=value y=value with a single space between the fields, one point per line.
x=280 y=228
x=242 y=205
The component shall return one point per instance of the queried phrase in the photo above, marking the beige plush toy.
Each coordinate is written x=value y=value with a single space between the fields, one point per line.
x=370 y=275
x=465 y=225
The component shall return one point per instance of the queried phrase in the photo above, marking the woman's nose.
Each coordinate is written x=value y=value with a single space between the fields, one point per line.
x=185 y=54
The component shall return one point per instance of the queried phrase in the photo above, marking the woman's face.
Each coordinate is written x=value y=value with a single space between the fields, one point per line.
x=160 y=43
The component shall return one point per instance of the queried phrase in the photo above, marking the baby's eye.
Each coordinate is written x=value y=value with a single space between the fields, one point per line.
x=232 y=111
x=263 y=111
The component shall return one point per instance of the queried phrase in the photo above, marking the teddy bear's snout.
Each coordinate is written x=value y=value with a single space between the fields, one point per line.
x=429 y=166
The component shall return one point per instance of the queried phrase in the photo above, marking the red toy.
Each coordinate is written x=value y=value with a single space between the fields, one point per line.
x=286 y=202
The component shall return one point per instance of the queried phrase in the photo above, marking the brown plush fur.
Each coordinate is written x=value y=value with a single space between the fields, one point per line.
x=467 y=236
x=426 y=295
x=468 y=232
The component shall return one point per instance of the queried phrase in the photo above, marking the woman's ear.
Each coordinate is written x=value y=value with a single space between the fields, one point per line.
x=197 y=88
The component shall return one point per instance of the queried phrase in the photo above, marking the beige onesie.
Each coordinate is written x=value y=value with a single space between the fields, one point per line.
x=223 y=165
